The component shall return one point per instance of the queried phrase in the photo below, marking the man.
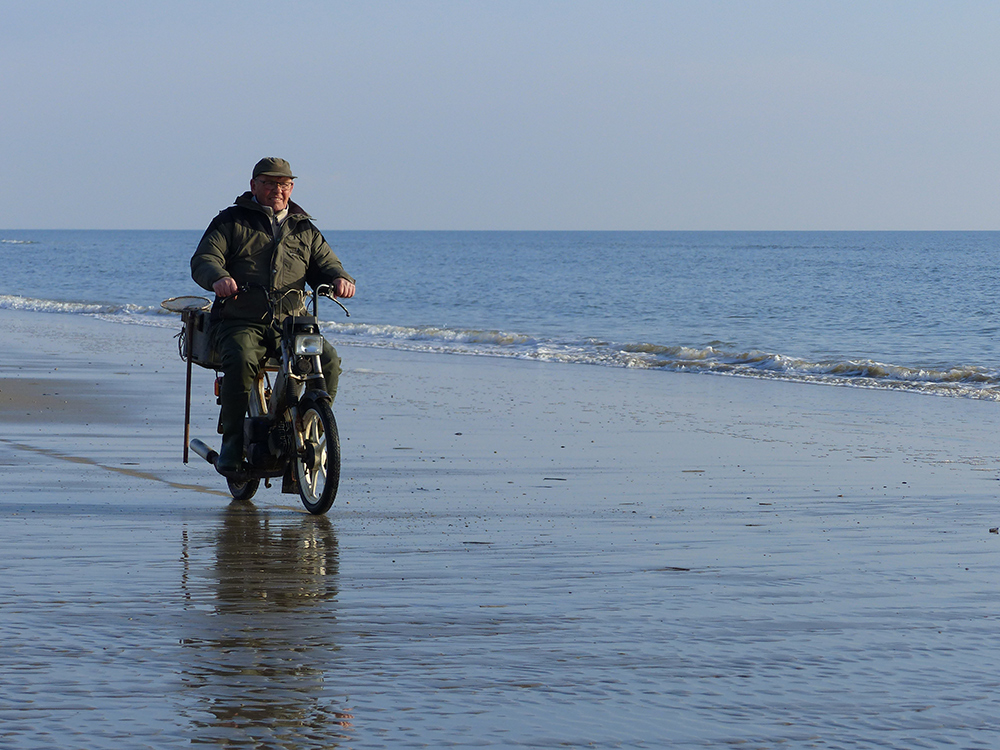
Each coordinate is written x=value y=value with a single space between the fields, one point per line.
x=264 y=245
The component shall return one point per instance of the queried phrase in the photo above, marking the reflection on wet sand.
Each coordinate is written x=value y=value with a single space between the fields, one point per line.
x=260 y=648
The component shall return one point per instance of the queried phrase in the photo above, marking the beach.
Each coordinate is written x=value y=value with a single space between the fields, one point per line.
x=521 y=554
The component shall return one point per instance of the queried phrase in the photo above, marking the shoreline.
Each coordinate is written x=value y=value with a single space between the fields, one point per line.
x=75 y=366
x=607 y=556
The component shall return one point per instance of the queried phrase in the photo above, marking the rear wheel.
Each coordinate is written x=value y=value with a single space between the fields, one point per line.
x=243 y=489
x=318 y=469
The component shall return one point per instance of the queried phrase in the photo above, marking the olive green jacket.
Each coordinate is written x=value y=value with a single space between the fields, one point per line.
x=239 y=243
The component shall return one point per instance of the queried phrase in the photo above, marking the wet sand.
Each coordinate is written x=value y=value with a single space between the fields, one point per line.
x=521 y=554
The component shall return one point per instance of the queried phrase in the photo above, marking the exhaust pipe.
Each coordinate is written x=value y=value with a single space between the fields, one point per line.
x=209 y=454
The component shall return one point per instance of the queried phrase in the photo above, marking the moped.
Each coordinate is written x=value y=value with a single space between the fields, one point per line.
x=289 y=430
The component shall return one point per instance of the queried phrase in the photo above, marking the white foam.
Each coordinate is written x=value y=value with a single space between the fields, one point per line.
x=966 y=381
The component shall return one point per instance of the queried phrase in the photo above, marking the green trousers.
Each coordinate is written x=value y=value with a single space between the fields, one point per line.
x=243 y=348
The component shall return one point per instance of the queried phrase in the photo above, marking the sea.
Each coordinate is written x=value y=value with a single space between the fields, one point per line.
x=788 y=577
x=908 y=311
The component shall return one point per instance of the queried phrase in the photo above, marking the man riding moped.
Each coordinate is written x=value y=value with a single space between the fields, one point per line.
x=257 y=256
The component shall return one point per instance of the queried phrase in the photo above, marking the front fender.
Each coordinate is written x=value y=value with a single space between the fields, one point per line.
x=315 y=396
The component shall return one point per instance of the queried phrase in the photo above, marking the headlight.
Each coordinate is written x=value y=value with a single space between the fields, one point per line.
x=308 y=344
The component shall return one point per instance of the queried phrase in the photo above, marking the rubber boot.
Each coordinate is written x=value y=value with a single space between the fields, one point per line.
x=234 y=407
x=240 y=346
x=331 y=369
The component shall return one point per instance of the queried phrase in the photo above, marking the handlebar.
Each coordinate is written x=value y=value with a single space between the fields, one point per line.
x=324 y=290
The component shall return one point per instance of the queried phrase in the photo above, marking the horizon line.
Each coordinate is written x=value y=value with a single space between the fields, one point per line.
x=536 y=231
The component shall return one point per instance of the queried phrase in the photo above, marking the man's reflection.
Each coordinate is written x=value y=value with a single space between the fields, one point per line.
x=264 y=646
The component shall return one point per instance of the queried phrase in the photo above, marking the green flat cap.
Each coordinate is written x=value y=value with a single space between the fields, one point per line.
x=272 y=166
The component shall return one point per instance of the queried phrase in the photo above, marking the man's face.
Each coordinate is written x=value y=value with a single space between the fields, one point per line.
x=272 y=191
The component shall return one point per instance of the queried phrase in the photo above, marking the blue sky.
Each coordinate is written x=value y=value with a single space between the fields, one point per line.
x=575 y=114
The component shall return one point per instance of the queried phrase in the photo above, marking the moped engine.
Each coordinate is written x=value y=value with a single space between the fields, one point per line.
x=267 y=446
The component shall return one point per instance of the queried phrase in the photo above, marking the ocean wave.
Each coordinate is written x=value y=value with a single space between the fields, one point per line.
x=967 y=381
x=17 y=242
x=120 y=313
x=717 y=358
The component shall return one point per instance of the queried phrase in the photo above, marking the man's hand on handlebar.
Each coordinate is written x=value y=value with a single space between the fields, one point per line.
x=343 y=288
x=225 y=287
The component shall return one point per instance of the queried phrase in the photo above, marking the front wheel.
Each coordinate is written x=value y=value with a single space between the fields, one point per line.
x=318 y=468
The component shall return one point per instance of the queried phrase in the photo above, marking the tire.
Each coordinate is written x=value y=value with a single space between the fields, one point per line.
x=318 y=471
x=243 y=490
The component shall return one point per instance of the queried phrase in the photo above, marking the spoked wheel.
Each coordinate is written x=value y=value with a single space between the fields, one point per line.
x=318 y=469
x=243 y=489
